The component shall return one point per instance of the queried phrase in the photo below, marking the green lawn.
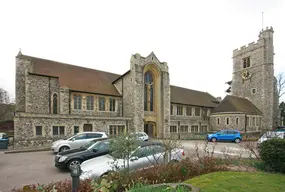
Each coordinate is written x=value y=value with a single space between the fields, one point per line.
x=239 y=182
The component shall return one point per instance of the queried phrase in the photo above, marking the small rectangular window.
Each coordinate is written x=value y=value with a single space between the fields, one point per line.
x=246 y=62
x=173 y=129
x=116 y=129
x=183 y=129
x=101 y=103
x=179 y=110
x=112 y=106
x=58 y=130
x=55 y=130
x=253 y=121
x=197 y=111
x=75 y=130
x=90 y=102
x=194 y=128
x=189 y=111
x=77 y=101
x=39 y=130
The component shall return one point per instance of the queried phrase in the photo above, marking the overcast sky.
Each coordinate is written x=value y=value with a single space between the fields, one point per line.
x=195 y=38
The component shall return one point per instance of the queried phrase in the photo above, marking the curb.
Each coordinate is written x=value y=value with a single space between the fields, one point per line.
x=27 y=150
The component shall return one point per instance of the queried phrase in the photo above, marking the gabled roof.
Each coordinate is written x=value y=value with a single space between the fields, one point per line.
x=237 y=105
x=82 y=79
x=75 y=77
x=192 y=97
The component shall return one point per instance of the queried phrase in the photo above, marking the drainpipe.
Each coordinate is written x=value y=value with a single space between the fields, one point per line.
x=178 y=129
x=245 y=122
x=122 y=97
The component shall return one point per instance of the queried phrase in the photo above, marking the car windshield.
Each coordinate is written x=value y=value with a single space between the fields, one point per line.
x=88 y=145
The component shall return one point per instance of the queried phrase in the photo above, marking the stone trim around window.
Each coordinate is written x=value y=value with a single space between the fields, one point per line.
x=42 y=131
x=58 y=130
x=115 y=129
x=173 y=129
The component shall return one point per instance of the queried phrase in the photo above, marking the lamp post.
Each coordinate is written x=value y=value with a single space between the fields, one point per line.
x=75 y=173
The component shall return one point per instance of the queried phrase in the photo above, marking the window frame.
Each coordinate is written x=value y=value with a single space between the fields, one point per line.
x=112 y=104
x=102 y=104
x=173 y=129
x=58 y=130
x=179 y=110
x=77 y=102
x=36 y=131
x=119 y=129
x=90 y=102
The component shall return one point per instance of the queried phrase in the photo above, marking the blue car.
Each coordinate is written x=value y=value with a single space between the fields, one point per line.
x=225 y=135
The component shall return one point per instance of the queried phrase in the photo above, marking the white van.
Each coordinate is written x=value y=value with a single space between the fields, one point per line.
x=270 y=135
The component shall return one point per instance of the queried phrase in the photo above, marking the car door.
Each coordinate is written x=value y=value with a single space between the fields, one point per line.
x=229 y=135
x=141 y=161
x=77 y=141
x=221 y=136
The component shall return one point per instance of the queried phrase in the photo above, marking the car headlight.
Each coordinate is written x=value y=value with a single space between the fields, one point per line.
x=62 y=158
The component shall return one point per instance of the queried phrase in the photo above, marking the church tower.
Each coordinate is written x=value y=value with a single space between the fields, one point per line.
x=253 y=76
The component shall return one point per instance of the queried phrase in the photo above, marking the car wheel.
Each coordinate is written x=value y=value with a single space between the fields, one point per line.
x=237 y=140
x=214 y=139
x=73 y=162
x=63 y=148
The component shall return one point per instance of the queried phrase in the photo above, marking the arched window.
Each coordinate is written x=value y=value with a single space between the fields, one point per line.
x=237 y=121
x=228 y=121
x=54 y=103
x=148 y=91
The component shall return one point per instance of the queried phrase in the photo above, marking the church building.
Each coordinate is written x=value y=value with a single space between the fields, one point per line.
x=56 y=100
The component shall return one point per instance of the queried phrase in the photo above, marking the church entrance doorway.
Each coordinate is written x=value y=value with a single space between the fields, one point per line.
x=87 y=128
x=149 y=128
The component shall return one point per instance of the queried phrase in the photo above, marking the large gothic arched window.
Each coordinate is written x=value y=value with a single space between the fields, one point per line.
x=148 y=91
x=54 y=103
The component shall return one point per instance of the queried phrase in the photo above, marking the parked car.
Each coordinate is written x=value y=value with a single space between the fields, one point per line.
x=140 y=136
x=146 y=155
x=76 y=141
x=95 y=148
x=225 y=135
x=270 y=135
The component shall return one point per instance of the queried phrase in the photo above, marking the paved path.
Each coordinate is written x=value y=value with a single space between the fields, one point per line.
x=220 y=148
x=19 y=169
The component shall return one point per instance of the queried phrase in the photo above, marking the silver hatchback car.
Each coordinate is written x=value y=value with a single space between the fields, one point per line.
x=76 y=141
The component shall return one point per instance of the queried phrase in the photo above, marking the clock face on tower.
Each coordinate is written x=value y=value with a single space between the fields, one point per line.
x=246 y=75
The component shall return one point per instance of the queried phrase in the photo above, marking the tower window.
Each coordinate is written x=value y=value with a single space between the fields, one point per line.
x=246 y=62
x=253 y=91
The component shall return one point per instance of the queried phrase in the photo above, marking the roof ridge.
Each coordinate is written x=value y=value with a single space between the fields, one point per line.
x=189 y=89
x=32 y=57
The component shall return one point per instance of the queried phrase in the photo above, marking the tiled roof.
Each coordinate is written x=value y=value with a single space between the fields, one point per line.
x=75 y=77
x=94 y=81
x=237 y=104
x=192 y=97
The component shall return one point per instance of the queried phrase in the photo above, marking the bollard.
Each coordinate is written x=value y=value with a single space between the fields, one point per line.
x=75 y=173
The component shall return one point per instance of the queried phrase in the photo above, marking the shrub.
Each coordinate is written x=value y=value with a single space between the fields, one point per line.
x=161 y=173
x=273 y=155
x=61 y=186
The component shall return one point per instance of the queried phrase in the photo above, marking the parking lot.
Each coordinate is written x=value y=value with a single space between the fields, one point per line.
x=19 y=169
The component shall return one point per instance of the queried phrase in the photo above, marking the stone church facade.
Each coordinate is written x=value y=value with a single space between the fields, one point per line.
x=56 y=100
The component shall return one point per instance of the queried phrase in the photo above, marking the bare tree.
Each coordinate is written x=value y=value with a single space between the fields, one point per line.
x=281 y=85
x=4 y=96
